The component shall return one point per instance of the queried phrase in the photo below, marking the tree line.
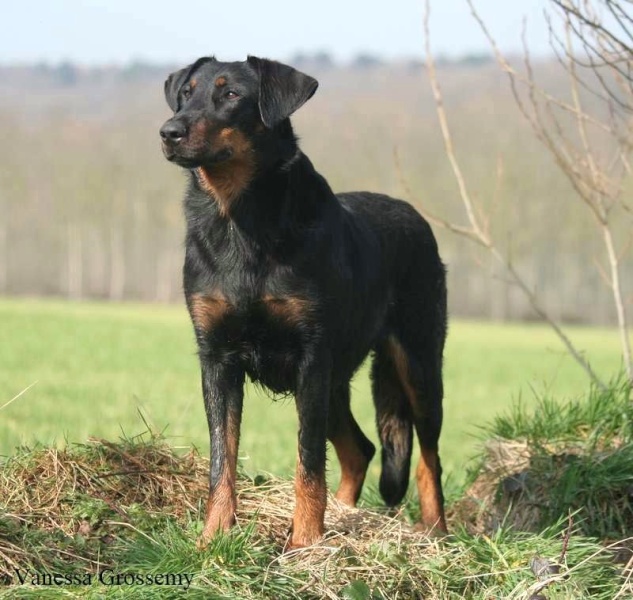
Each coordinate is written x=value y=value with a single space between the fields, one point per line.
x=90 y=209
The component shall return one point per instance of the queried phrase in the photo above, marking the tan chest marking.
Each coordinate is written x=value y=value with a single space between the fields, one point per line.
x=292 y=310
x=208 y=310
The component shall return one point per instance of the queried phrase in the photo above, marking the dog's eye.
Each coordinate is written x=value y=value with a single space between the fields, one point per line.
x=232 y=95
x=186 y=93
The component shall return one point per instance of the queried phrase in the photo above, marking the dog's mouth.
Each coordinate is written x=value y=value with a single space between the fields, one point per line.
x=190 y=158
x=168 y=151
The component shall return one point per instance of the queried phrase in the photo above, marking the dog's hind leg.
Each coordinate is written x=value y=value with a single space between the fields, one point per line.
x=352 y=447
x=408 y=393
x=416 y=349
x=426 y=399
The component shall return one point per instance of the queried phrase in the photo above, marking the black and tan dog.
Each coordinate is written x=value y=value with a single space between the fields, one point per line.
x=293 y=285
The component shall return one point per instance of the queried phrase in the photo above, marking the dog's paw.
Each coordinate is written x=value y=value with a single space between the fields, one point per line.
x=303 y=539
x=433 y=532
x=203 y=541
x=215 y=523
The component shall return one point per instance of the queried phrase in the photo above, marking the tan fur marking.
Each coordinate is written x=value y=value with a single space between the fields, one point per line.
x=193 y=83
x=226 y=180
x=390 y=425
x=353 y=468
x=222 y=501
x=198 y=134
x=307 y=522
x=220 y=512
x=220 y=81
x=207 y=311
x=401 y=362
x=292 y=309
x=426 y=475
x=395 y=430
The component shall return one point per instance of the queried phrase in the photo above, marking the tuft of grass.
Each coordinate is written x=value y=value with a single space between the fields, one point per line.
x=603 y=417
x=539 y=466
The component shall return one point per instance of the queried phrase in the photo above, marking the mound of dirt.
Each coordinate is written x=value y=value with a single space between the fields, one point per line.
x=532 y=486
x=64 y=508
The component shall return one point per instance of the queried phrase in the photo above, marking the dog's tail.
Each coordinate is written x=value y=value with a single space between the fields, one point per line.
x=395 y=426
x=395 y=437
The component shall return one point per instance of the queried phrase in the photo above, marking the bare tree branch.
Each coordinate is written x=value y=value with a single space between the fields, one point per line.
x=477 y=231
x=597 y=184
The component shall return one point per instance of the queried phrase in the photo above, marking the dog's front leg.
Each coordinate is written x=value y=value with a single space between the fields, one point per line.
x=312 y=400
x=223 y=390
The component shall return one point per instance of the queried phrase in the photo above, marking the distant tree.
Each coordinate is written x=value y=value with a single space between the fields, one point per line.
x=474 y=59
x=42 y=68
x=139 y=70
x=299 y=60
x=415 y=65
x=319 y=60
x=366 y=61
x=323 y=60
x=66 y=74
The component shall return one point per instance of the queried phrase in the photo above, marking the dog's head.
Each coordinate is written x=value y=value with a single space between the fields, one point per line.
x=221 y=109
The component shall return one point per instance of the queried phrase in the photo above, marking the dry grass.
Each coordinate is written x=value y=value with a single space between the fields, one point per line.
x=90 y=491
x=136 y=504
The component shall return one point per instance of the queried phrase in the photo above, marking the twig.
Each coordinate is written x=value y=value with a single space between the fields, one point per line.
x=566 y=536
x=17 y=396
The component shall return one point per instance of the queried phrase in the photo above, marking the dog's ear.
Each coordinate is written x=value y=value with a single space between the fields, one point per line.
x=173 y=84
x=177 y=79
x=282 y=89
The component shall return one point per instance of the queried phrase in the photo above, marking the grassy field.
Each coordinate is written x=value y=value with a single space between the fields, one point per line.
x=96 y=368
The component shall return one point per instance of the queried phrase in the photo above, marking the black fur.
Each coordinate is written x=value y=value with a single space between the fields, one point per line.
x=309 y=282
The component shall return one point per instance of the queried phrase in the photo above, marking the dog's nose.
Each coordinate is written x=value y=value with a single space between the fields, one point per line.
x=173 y=131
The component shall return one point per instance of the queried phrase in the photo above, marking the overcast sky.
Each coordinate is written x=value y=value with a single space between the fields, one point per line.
x=117 y=31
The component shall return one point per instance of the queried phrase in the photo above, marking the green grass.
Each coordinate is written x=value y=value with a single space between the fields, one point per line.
x=580 y=461
x=97 y=366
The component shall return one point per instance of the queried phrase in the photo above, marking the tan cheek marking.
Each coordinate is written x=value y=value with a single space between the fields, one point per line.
x=197 y=134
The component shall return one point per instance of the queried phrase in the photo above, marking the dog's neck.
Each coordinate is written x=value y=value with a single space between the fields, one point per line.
x=272 y=215
x=228 y=181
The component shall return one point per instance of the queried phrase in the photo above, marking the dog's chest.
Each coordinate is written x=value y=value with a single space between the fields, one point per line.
x=268 y=332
